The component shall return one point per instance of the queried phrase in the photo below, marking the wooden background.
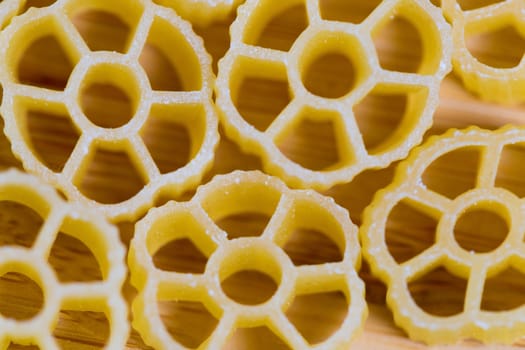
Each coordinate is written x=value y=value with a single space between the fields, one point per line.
x=399 y=46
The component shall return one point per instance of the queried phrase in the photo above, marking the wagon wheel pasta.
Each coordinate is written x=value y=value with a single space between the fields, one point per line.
x=289 y=61
x=63 y=119
x=450 y=209
x=233 y=194
x=85 y=225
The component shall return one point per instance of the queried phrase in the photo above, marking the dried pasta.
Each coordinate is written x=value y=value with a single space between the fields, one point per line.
x=493 y=83
x=201 y=12
x=8 y=9
x=232 y=194
x=411 y=186
x=248 y=58
x=98 y=235
x=190 y=107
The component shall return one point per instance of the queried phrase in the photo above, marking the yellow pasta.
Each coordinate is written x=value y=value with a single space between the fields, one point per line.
x=201 y=12
x=289 y=63
x=235 y=194
x=94 y=67
x=417 y=189
x=86 y=225
x=490 y=82
x=8 y=9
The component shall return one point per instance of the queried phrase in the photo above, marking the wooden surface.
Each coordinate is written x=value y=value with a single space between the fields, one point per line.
x=315 y=317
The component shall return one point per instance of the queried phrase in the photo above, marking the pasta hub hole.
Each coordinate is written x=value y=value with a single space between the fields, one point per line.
x=280 y=30
x=511 y=173
x=500 y=48
x=19 y=224
x=454 y=172
x=329 y=309
x=353 y=11
x=504 y=291
x=106 y=105
x=90 y=327
x=249 y=287
x=45 y=64
x=410 y=230
x=256 y=338
x=250 y=273
x=109 y=95
x=110 y=177
x=21 y=298
x=330 y=75
x=480 y=230
x=188 y=322
x=439 y=293
x=180 y=255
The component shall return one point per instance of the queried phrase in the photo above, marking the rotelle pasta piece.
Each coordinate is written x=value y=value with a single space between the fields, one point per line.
x=451 y=208
x=160 y=116
x=505 y=84
x=201 y=12
x=234 y=194
x=80 y=223
x=251 y=58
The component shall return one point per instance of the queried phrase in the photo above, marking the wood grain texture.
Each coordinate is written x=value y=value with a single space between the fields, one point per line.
x=189 y=322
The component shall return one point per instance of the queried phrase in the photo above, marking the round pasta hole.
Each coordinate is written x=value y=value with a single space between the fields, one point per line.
x=110 y=94
x=106 y=105
x=331 y=75
x=249 y=287
x=480 y=230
